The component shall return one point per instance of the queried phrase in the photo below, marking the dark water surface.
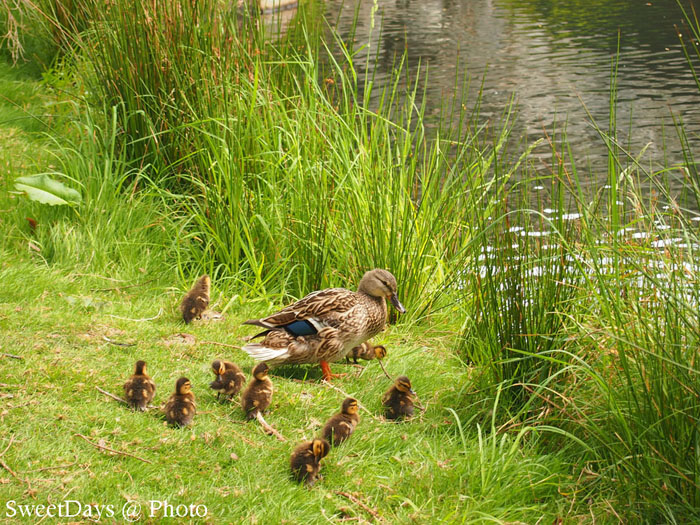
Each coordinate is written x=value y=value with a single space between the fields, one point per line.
x=552 y=56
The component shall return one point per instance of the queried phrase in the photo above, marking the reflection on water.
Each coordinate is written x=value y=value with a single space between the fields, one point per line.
x=277 y=22
x=553 y=56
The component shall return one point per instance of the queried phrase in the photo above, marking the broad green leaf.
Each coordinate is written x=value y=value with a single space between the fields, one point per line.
x=44 y=189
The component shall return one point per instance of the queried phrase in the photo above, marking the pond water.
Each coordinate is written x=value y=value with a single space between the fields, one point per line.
x=554 y=57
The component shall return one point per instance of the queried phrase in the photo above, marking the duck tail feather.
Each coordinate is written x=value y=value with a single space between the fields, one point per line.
x=260 y=352
x=264 y=332
x=258 y=322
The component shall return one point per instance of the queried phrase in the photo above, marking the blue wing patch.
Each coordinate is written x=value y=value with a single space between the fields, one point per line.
x=298 y=328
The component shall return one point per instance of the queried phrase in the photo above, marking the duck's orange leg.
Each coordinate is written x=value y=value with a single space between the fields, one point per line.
x=327 y=375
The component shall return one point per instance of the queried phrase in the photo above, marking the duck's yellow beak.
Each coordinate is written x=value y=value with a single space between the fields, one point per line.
x=397 y=304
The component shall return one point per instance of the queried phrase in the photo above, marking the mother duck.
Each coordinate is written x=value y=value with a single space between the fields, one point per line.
x=327 y=324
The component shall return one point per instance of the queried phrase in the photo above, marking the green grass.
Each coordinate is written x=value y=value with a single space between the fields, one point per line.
x=559 y=373
x=419 y=471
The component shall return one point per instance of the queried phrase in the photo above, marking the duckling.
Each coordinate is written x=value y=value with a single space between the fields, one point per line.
x=180 y=408
x=306 y=460
x=340 y=426
x=366 y=351
x=229 y=378
x=256 y=398
x=139 y=389
x=196 y=300
x=398 y=400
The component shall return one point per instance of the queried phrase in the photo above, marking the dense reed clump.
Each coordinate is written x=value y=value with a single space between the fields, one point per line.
x=591 y=332
x=276 y=159
x=643 y=411
x=187 y=74
x=639 y=404
x=332 y=191
x=522 y=287
x=644 y=408
x=169 y=63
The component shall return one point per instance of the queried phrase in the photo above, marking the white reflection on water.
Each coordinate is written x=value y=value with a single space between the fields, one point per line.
x=648 y=270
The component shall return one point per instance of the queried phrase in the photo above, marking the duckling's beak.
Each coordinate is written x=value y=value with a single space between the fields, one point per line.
x=397 y=304
x=411 y=391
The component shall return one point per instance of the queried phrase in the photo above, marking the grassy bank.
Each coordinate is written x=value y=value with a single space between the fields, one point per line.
x=418 y=471
x=554 y=352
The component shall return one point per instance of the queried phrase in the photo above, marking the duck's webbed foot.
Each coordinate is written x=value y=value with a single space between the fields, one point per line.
x=327 y=375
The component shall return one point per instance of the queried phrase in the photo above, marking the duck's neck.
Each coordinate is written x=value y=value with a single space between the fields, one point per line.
x=379 y=319
x=382 y=301
x=379 y=301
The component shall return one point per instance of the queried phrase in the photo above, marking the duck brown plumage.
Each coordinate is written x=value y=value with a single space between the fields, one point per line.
x=196 y=300
x=340 y=426
x=306 y=460
x=398 y=400
x=327 y=324
x=180 y=407
x=256 y=397
x=229 y=378
x=139 y=389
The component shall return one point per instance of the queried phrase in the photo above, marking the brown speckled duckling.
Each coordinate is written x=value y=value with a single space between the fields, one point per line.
x=327 y=324
x=229 y=378
x=256 y=398
x=196 y=300
x=398 y=400
x=340 y=426
x=180 y=408
x=367 y=351
x=306 y=460
x=139 y=389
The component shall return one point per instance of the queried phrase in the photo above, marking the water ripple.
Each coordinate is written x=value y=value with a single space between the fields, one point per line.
x=552 y=55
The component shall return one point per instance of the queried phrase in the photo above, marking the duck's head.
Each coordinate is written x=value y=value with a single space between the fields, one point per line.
x=350 y=406
x=379 y=352
x=140 y=368
x=380 y=283
x=204 y=284
x=403 y=384
x=260 y=371
x=183 y=386
x=320 y=448
x=218 y=367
